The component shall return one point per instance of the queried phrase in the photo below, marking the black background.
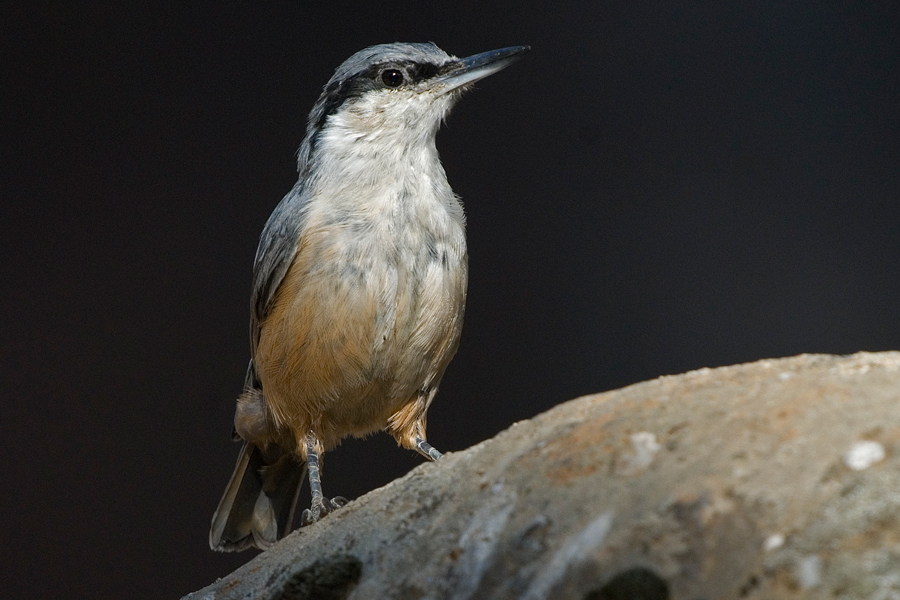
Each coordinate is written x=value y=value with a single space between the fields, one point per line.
x=656 y=187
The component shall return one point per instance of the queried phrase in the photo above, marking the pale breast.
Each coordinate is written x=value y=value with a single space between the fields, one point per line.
x=369 y=313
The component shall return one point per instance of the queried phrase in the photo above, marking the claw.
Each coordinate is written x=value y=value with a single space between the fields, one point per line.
x=306 y=518
x=338 y=502
x=320 y=509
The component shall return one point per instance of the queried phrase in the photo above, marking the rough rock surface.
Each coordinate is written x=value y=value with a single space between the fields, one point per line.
x=776 y=479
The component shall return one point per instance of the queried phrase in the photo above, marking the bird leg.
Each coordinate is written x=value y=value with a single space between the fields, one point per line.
x=407 y=425
x=427 y=450
x=320 y=505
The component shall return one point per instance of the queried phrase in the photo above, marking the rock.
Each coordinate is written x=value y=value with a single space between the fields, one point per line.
x=776 y=479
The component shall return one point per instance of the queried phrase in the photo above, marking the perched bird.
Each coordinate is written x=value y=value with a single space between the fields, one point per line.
x=359 y=285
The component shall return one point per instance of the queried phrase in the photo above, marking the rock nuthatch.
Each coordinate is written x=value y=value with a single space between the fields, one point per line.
x=359 y=285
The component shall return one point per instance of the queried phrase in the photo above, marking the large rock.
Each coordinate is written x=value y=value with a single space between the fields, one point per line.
x=776 y=479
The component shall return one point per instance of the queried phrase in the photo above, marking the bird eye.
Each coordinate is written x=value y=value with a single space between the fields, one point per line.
x=392 y=78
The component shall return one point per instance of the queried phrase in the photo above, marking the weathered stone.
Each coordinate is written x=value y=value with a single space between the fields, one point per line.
x=776 y=479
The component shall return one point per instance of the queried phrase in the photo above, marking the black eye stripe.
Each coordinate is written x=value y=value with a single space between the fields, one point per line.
x=337 y=92
x=420 y=71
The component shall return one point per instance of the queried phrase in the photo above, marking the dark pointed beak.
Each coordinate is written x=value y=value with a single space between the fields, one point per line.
x=464 y=71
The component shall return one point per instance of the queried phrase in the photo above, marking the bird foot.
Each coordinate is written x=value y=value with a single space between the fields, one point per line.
x=321 y=508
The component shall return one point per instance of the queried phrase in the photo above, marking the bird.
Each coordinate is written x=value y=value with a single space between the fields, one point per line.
x=359 y=285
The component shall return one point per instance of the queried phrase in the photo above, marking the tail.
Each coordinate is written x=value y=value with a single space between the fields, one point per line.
x=257 y=508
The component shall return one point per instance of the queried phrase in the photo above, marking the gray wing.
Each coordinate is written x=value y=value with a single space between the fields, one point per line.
x=277 y=247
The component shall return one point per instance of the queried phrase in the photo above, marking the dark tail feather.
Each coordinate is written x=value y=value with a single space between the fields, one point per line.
x=257 y=508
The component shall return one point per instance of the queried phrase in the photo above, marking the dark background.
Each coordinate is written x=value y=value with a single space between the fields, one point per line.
x=656 y=187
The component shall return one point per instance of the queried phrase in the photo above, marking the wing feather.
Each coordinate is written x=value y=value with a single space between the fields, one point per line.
x=277 y=249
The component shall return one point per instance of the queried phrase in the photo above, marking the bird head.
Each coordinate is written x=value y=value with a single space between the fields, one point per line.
x=395 y=94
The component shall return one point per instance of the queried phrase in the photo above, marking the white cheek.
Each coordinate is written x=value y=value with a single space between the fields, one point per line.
x=389 y=114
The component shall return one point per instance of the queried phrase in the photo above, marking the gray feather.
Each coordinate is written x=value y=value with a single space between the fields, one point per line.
x=277 y=247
